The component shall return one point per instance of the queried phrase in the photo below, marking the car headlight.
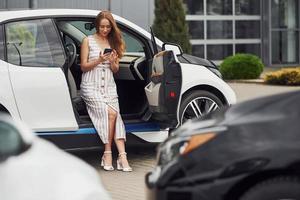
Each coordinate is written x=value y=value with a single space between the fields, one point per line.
x=171 y=149
x=196 y=141
x=181 y=145
x=182 y=142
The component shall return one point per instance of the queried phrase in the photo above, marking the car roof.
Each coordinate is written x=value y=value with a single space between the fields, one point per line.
x=7 y=15
x=18 y=14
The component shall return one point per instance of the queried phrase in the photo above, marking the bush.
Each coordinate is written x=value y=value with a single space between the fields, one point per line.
x=241 y=66
x=287 y=76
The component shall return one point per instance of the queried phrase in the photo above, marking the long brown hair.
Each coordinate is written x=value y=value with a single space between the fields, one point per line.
x=115 y=38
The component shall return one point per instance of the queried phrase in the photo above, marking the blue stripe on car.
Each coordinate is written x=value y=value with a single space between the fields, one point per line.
x=138 y=127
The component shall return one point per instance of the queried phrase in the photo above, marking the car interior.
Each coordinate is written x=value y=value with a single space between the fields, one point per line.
x=131 y=78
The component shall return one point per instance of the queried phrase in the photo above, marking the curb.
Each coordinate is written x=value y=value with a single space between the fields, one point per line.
x=254 y=81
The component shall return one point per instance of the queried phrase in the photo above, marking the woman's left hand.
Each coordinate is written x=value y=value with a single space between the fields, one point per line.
x=114 y=61
x=113 y=57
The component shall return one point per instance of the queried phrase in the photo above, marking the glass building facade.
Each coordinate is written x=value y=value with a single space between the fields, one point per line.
x=218 y=28
x=266 y=28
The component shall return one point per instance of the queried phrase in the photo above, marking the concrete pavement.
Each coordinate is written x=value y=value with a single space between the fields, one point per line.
x=131 y=186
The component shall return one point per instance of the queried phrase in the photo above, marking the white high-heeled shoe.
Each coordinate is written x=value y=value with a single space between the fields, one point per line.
x=106 y=167
x=120 y=165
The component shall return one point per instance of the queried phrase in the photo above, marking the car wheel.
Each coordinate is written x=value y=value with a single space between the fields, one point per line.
x=198 y=103
x=279 y=188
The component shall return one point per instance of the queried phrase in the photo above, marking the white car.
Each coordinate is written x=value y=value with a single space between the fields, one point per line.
x=40 y=78
x=33 y=169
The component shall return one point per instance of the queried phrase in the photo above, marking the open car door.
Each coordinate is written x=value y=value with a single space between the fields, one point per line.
x=163 y=91
x=36 y=58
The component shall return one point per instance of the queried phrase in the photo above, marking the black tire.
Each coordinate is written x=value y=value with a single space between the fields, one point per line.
x=279 y=188
x=201 y=97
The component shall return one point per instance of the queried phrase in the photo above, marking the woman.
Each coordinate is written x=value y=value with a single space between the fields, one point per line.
x=98 y=88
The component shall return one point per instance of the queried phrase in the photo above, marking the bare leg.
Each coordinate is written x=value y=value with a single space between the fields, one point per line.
x=120 y=143
x=111 y=133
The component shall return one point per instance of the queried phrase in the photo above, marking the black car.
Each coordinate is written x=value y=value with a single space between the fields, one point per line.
x=250 y=151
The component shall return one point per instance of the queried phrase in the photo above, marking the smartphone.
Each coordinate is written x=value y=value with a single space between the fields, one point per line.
x=107 y=50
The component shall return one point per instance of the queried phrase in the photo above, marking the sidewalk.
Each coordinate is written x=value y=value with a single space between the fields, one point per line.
x=131 y=185
x=246 y=91
x=260 y=80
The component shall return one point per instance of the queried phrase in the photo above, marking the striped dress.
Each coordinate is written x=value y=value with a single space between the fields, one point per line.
x=99 y=92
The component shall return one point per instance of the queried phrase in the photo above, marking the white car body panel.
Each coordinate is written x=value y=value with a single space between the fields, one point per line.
x=42 y=171
x=6 y=92
x=190 y=79
x=45 y=172
x=153 y=136
x=43 y=98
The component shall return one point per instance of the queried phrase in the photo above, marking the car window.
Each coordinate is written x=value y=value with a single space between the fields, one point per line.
x=82 y=26
x=132 y=43
x=75 y=29
x=34 y=43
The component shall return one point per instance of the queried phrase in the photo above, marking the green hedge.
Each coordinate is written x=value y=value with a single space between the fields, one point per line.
x=241 y=66
x=287 y=76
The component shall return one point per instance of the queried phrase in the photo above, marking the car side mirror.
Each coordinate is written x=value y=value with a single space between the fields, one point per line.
x=174 y=47
x=89 y=26
x=11 y=141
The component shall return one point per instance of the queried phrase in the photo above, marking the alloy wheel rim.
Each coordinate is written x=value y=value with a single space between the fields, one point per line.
x=198 y=107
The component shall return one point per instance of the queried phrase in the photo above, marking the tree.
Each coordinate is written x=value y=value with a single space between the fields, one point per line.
x=169 y=23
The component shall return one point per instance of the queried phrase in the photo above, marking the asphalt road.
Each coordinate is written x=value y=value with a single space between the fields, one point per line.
x=122 y=186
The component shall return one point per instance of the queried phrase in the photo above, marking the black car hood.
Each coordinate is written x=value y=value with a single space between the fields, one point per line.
x=264 y=129
x=256 y=132
x=261 y=109
x=186 y=58
x=259 y=134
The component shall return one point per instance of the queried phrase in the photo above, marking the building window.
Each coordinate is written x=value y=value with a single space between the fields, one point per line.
x=247 y=7
x=219 y=7
x=219 y=52
x=193 y=7
x=196 y=29
x=219 y=29
x=198 y=50
x=285 y=47
x=284 y=31
x=248 y=48
x=284 y=13
x=247 y=29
